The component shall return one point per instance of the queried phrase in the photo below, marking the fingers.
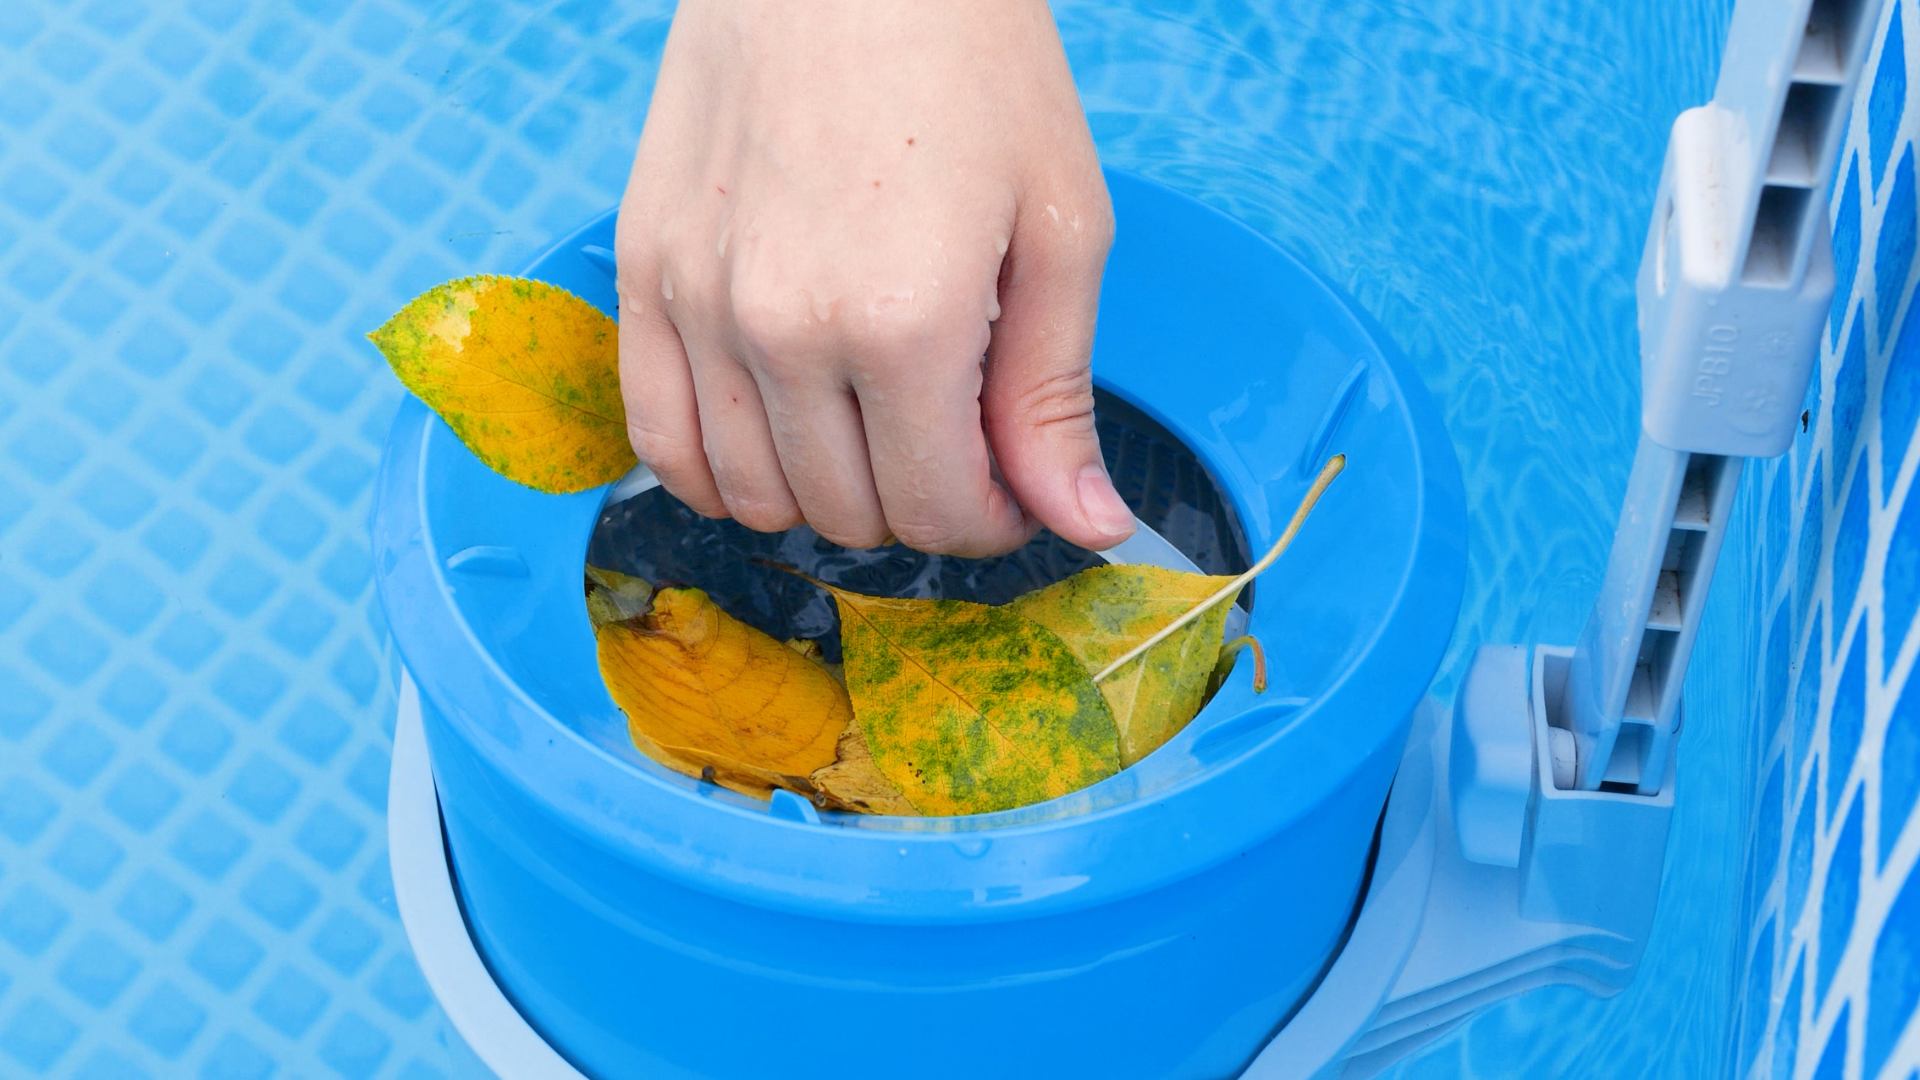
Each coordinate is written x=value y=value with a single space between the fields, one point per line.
x=867 y=421
x=694 y=414
x=876 y=417
x=739 y=445
x=663 y=418
x=1039 y=384
x=823 y=451
x=930 y=461
x=813 y=418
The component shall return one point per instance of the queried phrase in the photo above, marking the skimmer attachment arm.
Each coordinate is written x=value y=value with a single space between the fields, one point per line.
x=1562 y=759
x=1736 y=281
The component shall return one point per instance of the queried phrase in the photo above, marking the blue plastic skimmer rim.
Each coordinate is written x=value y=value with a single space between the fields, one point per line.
x=1256 y=763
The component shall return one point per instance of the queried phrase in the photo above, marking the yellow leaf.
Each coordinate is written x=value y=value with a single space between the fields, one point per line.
x=526 y=373
x=808 y=648
x=854 y=783
x=709 y=695
x=1149 y=727
x=1104 y=612
x=730 y=773
x=813 y=651
x=613 y=596
x=968 y=709
x=851 y=783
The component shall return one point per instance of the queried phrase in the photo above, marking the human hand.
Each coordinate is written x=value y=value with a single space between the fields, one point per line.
x=836 y=210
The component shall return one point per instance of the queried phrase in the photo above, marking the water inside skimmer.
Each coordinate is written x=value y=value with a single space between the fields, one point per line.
x=658 y=538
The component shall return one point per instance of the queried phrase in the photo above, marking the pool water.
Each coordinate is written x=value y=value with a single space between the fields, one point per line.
x=204 y=204
x=1479 y=177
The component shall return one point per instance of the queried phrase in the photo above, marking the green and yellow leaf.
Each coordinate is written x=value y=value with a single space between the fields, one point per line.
x=613 y=596
x=525 y=373
x=967 y=709
x=1103 y=612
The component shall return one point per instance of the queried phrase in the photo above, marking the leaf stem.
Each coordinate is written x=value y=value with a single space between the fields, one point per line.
x=1327 y=472
x=1225 y=664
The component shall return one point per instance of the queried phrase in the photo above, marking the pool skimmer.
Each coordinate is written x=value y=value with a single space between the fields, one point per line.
x=1315 y=882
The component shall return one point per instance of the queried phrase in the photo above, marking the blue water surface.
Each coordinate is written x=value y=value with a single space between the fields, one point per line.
x=205 y=203
x=1479 y=176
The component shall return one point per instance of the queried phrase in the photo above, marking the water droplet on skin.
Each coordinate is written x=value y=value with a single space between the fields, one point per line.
x=666 y=288
x=1054 y=213
x=888 y=300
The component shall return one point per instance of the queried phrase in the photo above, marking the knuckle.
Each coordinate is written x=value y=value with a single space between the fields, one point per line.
x=651 y=445
x=1099 y=220
x=858 y=537
x=1061 y=400
x=662 y=452
x=680 y=468
x=752 y=500
x=676 y=241
x=759 y=513
x=895 y=328
x=1074 y=236
x=783 y=368
x=1100 y=235
x=632 y=249
x=696 y=498
x=774 y=327
x=631 y=242
x=930 y=535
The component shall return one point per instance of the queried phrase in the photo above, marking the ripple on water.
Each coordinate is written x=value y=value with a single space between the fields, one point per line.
x=1478 y=177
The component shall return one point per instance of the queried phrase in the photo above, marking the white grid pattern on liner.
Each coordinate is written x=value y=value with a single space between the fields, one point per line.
x=1879 y=884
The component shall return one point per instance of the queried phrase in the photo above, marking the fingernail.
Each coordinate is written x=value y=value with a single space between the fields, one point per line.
x=1101 y=505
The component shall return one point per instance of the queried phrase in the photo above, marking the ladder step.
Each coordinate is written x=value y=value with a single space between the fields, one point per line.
x=1808 y=117
x=1833 y=31
x=1641 y=700
x=1690 y=513
x=1817 y=65
x=1666 y=613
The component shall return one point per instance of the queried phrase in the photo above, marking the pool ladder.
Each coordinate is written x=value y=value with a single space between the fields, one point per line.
x=1533 y=850
x=1734 y=289
x=1735 y=285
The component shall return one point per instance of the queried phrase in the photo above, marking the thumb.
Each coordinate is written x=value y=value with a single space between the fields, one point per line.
x=1037 y=401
